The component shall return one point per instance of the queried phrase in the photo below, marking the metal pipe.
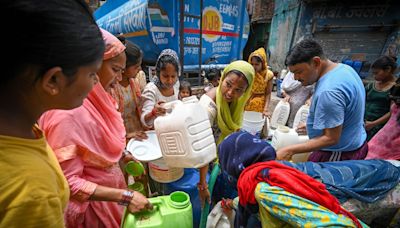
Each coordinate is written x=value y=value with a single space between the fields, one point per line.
x=201 y=41
x=181 y=40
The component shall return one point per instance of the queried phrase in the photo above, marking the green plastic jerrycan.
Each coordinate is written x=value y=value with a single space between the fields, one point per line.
x=171 y=211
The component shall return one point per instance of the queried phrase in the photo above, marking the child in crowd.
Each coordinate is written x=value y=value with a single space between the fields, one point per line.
x=163 y=88
x=377 y=105
x=262 y=87
x=213 y=77
x=185 y=90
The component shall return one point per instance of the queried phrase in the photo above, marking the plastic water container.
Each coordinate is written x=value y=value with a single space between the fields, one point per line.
x=280 y=114
x=188 y=184
x=185 y=136
x=283 y=73
x=172 y=211
x=162 y=173
x=284 y=136
x=303 y=156
x=301 y=115
x=253 y=122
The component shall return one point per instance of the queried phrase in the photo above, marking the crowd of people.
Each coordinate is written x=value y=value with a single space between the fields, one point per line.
x=67 y=116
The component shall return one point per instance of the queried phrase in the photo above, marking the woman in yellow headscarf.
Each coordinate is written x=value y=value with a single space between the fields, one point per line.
x=225 y=106
x=262 y=86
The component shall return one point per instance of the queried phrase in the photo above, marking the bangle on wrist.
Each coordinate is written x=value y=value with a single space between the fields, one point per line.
x=202 y=187
x=127 y=197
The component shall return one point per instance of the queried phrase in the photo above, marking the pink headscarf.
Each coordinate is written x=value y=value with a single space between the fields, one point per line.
x=95 y=131
x=114 y=46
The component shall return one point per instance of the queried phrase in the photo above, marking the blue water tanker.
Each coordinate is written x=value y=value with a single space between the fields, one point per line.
x=156 y=25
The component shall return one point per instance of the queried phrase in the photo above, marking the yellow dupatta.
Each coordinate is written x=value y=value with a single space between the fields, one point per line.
x=229 y=116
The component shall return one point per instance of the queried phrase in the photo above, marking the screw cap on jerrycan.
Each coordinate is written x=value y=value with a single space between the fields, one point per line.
x=185 y=135
x=168 y=212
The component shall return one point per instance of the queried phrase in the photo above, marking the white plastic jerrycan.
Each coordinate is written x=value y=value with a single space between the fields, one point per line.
x=280 y=114
x=284 y=136
x=185 y=136
x=301 y=115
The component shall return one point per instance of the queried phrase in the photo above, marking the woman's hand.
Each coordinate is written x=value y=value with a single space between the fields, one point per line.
x=204 y=194
x=158 y=109
x=127 y=157
x=137 y=135
x=267 y=114
x=139 y=203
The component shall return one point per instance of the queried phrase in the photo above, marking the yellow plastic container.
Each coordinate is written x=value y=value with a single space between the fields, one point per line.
x=172 y=211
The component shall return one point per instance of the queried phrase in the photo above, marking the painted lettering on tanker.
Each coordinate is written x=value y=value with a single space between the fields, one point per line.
x=221 y=46
x=229 y=9
x=355 y=11
x=194 y=50
x=129 y=17
x=160 y=38
x=134 y=19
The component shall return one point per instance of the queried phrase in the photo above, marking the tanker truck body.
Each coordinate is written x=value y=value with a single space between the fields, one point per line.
x=156 y=25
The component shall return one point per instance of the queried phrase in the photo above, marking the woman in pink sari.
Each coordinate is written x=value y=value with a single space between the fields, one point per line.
x=89 y=142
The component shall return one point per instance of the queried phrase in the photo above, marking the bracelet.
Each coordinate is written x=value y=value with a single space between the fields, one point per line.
x=202 y=187
x=127 y=197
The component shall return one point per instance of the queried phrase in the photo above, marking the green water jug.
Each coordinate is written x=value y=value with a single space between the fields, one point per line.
x=171 y=211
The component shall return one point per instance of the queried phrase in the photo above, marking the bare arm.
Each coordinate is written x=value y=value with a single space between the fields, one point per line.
x=203 y=186
x=268 y=91
x=382 y=120
x=329 y=137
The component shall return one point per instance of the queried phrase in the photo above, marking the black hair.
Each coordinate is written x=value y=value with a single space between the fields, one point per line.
x=185 y=85
x=163 y=61
x=240 y=74
x=385 y=62
x=258 y=58
x=213 y=74
x=49 y=33
x=133 y=53
x=303 y=52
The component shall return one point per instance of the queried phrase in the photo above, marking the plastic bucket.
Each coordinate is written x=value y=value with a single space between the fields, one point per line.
x=253 y=122
x=160 y=172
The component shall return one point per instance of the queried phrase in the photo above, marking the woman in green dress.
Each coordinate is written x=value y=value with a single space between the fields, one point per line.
x=377 y=105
